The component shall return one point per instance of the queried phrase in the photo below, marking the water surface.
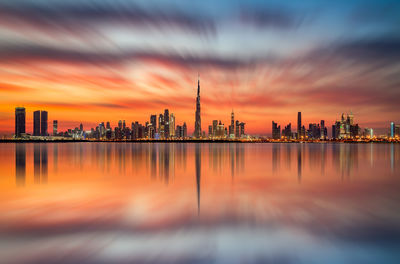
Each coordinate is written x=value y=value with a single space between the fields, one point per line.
x=199 y=203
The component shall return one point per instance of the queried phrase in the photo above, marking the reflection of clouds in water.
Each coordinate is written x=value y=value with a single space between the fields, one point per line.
x=205 y=245
x=254 y=220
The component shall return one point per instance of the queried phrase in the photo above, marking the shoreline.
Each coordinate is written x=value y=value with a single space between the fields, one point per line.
x=191 y=141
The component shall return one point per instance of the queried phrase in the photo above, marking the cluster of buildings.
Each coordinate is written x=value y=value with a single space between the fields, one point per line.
x=161 y=127
x=343 y=129
x=235 y=130
x=314 y=131
x=394 y=130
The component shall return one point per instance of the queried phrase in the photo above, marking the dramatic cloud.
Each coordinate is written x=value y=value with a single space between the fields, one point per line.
x=260 y=59
x=269 y=18
x=74 y=17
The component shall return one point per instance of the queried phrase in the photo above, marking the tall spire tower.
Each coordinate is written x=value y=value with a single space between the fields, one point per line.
x=197 y=124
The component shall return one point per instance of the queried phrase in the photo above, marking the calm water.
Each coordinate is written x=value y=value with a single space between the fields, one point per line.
x=199 y=203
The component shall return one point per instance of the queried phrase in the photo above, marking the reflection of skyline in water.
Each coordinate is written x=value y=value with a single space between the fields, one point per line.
x=145 y=200
x=162 y=160
x=20 y=164
x=198 y=173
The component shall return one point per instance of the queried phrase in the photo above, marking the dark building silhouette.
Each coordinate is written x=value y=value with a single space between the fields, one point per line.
x=43 y=123
x=184 y=128
x=19 y=121
x=36 y=123
x=197 y=124
x=323 y=130
x=276 y=131
x=166 y=123
x=287 y=131
x=232 y=126
x=161 y=125
x=299 y=125
x=153 y=126
x=314 y=131
x=55 y=127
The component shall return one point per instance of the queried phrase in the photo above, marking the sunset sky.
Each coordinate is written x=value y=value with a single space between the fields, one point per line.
x=97 y=61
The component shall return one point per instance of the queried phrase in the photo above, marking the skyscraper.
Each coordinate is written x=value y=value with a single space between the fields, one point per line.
x=172 y=125
x=323 y=129
x=299 y=134
x=197 y=124
x=19 y=121
x=232 y=126
x=392 y=129
x=276 y=131
x=153 y=121
x=166 y=123
x=184 y=128
x=161 y=126
x=43 y=123
x=153 y=126
x=55 y=127
x=36 y=123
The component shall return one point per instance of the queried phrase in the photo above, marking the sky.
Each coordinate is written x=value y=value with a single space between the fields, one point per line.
x=97 y=61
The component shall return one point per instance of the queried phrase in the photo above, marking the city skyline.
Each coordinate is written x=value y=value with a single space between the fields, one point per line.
x=140 y=59
x=341 y=129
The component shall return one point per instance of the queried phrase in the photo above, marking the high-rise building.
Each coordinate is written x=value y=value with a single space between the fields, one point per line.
x=166 y=123
x=220 y=130
x=323 y=130
x=120 y=124
x=19 y=121
x=55 y=127
x=153 y=122
x=197 y=124
x=184 y=130
x=276 y=131
x=345 y=128
x=161 y=125
x=210 y=131
x=43 y=123
x=299 y=130
x=214 y=127
x=36 y=123
x=232 y=126
x=287 y=131
x=172 y=125
x=241 y=124
x=368 y=132
x=153 y=126
x=392 y=130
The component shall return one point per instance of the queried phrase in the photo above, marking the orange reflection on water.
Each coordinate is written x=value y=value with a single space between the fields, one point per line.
x=125 y=202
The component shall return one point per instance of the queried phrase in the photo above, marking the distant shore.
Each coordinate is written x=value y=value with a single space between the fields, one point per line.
x=190 y=141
